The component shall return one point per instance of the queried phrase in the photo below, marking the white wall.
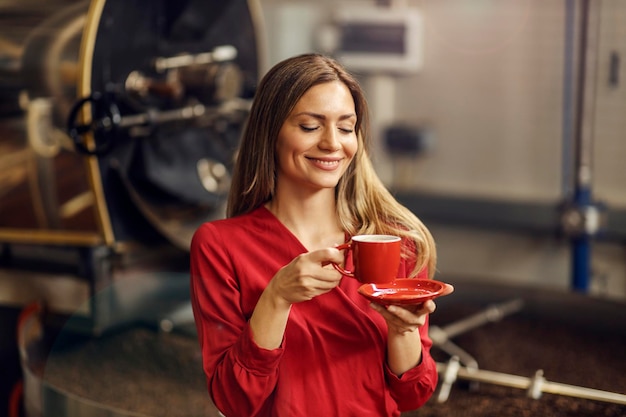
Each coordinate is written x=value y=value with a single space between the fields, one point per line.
x=491 y=89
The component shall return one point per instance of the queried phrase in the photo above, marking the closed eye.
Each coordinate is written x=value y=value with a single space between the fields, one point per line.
x=309 y=128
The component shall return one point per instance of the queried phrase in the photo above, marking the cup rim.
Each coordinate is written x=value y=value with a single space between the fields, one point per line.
x=376 y=238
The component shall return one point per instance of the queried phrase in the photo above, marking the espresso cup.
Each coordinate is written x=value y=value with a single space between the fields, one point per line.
x=376 y=258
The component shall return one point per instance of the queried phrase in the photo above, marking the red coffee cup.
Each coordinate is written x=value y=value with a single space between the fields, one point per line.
x=376 y=258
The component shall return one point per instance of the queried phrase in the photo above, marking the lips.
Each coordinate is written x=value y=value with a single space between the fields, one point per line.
x=326 y=163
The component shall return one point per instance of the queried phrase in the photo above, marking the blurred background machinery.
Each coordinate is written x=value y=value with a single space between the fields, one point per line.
x=118 y=125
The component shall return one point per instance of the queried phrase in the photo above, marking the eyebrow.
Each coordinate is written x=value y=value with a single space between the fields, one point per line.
x=322 y=117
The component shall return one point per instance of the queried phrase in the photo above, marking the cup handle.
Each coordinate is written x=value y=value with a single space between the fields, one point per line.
x=339 y=268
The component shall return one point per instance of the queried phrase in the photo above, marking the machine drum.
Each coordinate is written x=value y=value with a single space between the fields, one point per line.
x=191 y=167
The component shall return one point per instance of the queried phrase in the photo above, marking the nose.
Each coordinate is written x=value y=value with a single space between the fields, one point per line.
x=330 y=140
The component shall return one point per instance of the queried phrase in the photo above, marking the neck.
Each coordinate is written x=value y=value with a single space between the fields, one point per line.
x=313 y=219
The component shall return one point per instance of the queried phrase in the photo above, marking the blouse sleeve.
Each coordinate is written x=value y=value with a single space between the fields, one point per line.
x=241 y=376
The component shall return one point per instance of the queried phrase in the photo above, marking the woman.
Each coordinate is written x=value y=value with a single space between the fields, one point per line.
x=281 y=332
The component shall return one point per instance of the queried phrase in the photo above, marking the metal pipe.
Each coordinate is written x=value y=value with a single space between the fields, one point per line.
x=569 y=106
x=491 y=314
x=164 y=116
x=219 y=54
x=515 y=381
x=455 y=350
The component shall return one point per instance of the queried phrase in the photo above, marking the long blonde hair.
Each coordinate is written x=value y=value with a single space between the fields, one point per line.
x=364 y=205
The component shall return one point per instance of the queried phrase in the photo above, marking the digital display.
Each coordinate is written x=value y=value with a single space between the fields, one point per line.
x=373 y=38
x=379 y=39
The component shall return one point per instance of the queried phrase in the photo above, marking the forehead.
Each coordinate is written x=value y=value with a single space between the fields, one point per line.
x=331 y=96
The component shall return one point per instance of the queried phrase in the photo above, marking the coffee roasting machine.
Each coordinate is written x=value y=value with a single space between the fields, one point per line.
x=119 y=120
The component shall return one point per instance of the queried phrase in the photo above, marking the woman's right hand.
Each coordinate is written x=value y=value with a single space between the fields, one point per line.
x=307 y=276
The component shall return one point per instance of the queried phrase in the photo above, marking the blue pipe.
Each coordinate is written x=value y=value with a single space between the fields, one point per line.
x=581 y=245
x=581 y=178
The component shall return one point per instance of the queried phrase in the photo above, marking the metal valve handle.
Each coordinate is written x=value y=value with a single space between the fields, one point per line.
x=104 y=125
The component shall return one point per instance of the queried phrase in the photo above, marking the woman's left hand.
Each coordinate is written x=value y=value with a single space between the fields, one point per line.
x=408 y=318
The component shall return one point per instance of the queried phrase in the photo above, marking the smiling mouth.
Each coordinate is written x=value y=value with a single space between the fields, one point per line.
x=325 y=162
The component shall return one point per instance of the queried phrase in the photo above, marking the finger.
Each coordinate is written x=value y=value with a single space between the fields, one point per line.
x=330 y=275
x=324 y=285
x=394 y=316
x=308 y=266
x=394 y=323
x=408 y=317
x=326 y=256
x=428 y=307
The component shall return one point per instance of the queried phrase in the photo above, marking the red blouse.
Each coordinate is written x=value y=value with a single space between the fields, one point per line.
x=332 y=359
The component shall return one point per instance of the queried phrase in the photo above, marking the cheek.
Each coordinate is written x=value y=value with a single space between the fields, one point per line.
x=350 y=147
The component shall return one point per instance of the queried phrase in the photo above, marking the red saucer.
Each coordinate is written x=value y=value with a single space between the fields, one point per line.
x=403 y=291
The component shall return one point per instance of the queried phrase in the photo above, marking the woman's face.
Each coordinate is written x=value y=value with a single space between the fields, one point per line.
x=317 y=141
